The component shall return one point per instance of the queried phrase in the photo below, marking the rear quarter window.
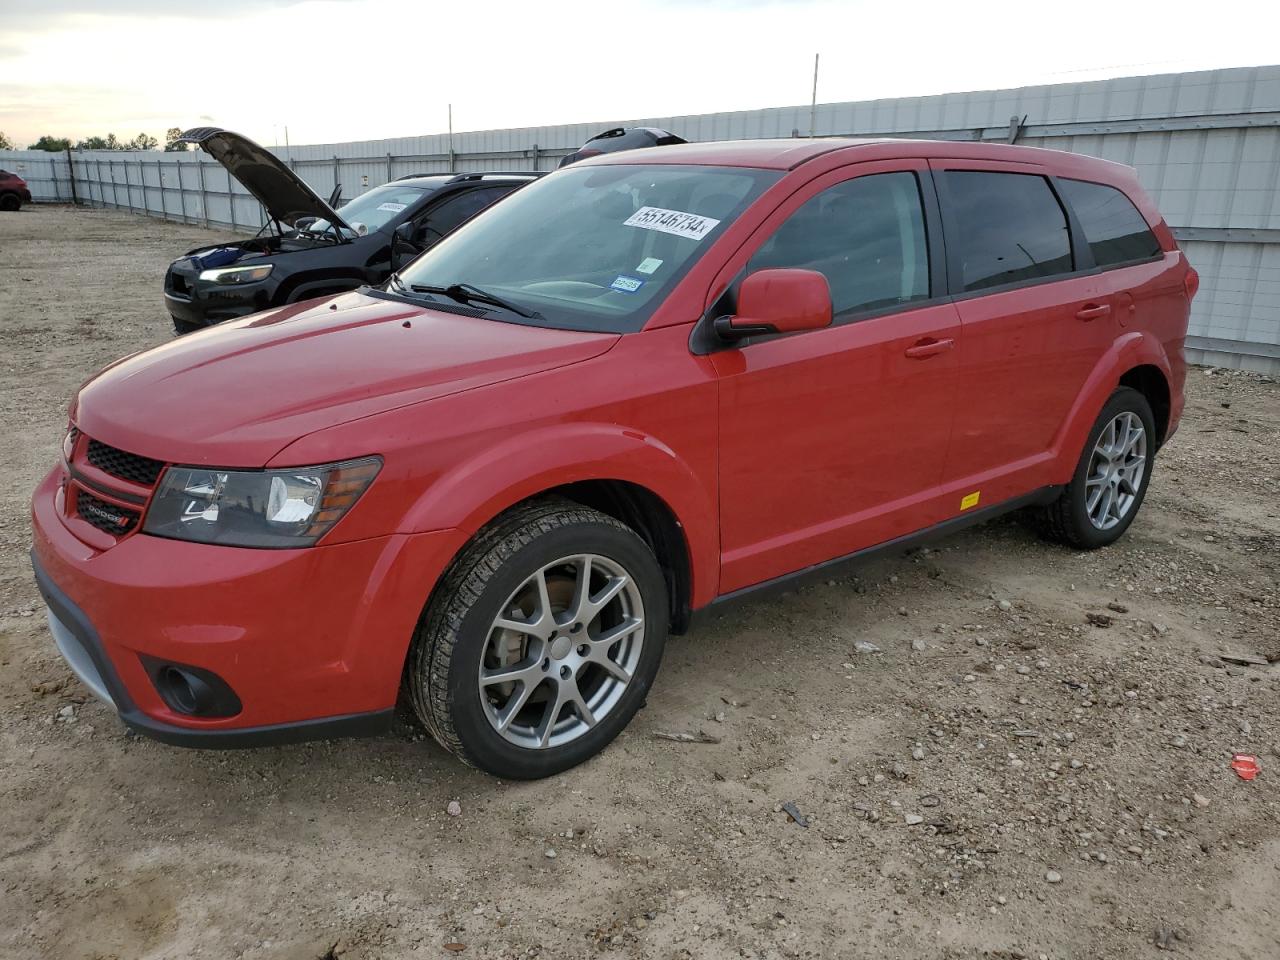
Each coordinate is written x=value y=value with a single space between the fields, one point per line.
x=1114 y=229
x=1009 y=228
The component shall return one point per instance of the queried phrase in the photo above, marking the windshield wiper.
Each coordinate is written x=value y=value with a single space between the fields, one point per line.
x=466 y=292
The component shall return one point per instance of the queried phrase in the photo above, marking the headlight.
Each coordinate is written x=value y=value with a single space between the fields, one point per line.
x=293 y=507
x=229 y=276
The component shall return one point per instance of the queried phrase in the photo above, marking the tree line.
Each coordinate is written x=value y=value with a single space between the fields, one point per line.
x=143 y=141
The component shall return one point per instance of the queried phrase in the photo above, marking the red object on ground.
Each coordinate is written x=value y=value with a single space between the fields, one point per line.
x=1245 y=765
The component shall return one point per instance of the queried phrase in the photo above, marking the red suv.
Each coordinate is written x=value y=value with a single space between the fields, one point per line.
x=14 y=191
x=641 y=387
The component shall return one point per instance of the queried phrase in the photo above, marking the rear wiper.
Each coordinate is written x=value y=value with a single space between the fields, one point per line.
x=466 y=292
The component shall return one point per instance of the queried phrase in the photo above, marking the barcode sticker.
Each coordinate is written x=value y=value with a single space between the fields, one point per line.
x=675 y=222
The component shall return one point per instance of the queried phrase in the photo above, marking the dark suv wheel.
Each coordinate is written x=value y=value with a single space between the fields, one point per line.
x=541 y=641
x=1111 y=477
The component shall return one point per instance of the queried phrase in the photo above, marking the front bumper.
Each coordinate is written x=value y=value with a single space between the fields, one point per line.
x=312 y=641
x=201 y=303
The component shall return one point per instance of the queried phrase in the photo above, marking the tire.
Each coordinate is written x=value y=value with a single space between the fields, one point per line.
x=528 y=557
x=10 y=202
x=1068 y=519
x=183 y=327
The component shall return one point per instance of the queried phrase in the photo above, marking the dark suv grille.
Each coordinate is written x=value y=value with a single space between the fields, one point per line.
x=107 y=517
x=126 y=466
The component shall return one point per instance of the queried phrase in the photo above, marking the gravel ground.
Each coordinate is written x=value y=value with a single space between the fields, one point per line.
x=1000 y=776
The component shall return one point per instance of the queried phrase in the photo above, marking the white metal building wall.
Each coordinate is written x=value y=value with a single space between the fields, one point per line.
x=1206 y=145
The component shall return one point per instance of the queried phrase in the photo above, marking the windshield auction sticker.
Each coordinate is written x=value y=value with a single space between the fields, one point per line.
x=688 y=225
x=390 y=207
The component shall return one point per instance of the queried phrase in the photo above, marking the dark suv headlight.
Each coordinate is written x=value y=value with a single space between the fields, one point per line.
x=292 y=507
x=236 y=276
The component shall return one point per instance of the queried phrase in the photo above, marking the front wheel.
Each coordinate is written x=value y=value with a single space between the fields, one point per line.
x=541 y=641
x=10 y=202
x=1111 y=477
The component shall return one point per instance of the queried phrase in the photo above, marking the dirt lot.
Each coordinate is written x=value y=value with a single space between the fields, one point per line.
x=1003 y=778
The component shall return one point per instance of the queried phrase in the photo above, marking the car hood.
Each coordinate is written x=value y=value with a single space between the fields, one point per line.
x=236 y=394
x=283 y=193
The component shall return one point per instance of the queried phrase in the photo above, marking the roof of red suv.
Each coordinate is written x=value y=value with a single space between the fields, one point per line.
x=787 y=154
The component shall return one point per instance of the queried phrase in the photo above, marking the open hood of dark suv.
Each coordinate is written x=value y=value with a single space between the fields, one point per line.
x=276 y=187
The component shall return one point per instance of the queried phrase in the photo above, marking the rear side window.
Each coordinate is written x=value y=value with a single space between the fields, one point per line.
x=1009 y=228
x=1115 y=230
x=866 y=236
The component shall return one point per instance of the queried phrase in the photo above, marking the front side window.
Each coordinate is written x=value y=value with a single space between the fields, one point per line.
x=866 y=236
x=1009 y=227
x=591 y=247
x=449 y=213
x=1115 y=230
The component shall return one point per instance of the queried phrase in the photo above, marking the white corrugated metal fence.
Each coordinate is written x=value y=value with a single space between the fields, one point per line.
x=1206 y=145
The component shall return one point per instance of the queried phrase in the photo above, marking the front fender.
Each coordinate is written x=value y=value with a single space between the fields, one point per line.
x=1132 y=349
x=473 y=492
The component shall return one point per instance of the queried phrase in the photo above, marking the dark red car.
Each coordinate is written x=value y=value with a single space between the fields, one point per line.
x=644 y=386
x=13 y=191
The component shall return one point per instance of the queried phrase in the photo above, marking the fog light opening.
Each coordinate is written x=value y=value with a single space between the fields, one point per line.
x=192 y=691
x=187 y=693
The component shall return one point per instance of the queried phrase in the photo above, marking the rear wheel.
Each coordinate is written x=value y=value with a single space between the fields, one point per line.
x=1111 y=477
x=541 y=641
x=10 y=201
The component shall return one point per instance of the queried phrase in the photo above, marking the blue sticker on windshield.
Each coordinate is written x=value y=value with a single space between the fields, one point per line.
x=625 y=284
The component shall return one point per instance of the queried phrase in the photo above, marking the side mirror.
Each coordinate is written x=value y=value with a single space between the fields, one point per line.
x=401 y=234
x=778 y=301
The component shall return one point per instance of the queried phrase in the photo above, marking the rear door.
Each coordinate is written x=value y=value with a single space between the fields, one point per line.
x=1036 y=321
x=1126 y=253
x=833 y=440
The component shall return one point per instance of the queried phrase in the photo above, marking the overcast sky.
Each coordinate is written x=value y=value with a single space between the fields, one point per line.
x=334 y=70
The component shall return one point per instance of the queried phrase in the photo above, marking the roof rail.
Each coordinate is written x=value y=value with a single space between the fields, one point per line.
x=476 y=175
x=481 y=174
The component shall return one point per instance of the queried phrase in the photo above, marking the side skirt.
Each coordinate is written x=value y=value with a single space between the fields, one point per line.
x=841 y=565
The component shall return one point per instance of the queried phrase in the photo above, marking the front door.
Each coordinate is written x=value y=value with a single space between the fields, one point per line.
x=834 y=440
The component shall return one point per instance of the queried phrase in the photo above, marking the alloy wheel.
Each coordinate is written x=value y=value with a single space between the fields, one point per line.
x=562 y=651
x=1116 y=471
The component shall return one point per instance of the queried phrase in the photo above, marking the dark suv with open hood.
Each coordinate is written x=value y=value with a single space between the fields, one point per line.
x=307 y=249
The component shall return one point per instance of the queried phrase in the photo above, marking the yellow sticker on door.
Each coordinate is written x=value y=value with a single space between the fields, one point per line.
x=970 y=500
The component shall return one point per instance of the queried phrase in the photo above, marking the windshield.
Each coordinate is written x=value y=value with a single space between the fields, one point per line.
x=592 y=248
x=374 y=209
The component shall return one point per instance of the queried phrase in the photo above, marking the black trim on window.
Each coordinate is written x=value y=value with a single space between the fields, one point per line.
x=1081 y=253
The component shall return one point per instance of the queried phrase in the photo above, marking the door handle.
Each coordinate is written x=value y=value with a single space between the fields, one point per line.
x=929 y=347
x=1093 y=311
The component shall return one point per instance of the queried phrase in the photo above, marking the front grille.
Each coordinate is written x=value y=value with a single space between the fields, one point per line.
x=107 y=517
x=126 y=466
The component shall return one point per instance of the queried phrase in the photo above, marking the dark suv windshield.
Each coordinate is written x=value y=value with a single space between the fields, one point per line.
x=375 y=208
x=594 y=248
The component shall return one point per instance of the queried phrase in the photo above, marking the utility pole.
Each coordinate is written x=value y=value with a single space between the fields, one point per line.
x=451 y=160
x=813 y=104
